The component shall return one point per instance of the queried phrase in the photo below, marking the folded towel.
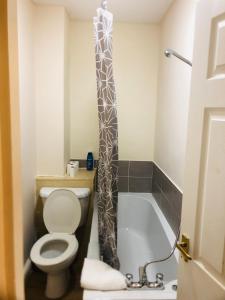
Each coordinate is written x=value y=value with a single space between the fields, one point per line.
x=97 y=275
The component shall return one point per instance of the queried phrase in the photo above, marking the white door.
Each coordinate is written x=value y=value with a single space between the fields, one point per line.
x=203 y=213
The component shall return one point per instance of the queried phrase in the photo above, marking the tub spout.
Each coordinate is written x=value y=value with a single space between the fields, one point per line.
x=157 y=285
x=143 y=276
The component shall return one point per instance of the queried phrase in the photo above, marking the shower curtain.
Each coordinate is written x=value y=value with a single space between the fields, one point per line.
x=108 y=139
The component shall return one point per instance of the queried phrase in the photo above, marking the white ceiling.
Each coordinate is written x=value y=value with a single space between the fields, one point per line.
x=137 y=11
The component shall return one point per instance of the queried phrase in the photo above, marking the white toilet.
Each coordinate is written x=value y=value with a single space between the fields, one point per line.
x=64 y=210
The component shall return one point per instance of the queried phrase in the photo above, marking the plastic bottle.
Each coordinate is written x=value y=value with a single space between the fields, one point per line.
x=90 y=161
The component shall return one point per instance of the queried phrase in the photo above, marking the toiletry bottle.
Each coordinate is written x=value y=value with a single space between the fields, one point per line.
x=68 y=169
x=72 y=170
x=90 y=161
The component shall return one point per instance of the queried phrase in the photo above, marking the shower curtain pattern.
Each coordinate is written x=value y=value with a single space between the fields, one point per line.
x=108 y=139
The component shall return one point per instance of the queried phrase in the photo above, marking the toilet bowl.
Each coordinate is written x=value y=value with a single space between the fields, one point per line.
x=54 y=252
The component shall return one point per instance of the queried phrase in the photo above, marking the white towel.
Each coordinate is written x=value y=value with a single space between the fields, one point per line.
x=97 y=275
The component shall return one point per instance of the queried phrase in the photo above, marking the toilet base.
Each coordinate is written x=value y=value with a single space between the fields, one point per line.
x=57 y=284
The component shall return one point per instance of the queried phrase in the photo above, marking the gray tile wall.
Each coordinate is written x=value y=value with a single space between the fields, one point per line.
x=146 y=177
x=168 y=198
x=135 y=176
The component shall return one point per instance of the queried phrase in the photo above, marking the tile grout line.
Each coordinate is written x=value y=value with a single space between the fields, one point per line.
x=166 y=199
x=136 y=177
x=163 y=193
x=140 y=177
x=128 y=176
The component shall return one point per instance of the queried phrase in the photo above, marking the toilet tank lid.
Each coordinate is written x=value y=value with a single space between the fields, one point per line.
x=79 y=192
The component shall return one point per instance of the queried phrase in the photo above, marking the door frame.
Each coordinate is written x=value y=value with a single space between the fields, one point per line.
x=11 y=230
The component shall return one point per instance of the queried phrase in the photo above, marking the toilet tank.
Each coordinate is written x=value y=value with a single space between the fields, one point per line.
x=81 y=193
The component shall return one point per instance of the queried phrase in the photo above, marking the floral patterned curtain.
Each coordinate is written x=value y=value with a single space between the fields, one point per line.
x=108 y=139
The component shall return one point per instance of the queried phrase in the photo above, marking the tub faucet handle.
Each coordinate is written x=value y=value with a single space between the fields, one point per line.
x=129 y=278
x=131 y=284
x=159 y=277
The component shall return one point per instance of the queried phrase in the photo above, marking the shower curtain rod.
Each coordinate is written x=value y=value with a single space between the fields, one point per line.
x=169 y=52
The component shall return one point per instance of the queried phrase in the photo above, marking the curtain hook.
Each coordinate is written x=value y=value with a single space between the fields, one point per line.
x=104 y=4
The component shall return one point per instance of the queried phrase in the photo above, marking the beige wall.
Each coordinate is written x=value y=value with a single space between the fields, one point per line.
x=27 y=116
x=135 y=59
x=177 y=29
x=83 y=103
x=43 y=34
x=49 y=57
x=66 y=90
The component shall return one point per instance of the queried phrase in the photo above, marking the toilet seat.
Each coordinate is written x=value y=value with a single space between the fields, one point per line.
x=70 y=251
x=62 y=212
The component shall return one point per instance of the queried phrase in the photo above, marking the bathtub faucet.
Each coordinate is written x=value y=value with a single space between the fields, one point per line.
x=143 y=281
x=157 y=284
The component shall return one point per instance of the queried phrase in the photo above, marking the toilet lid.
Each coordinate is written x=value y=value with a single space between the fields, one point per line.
x=62 y=212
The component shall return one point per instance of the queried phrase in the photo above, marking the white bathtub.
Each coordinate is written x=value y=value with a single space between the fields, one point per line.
x=143 y=235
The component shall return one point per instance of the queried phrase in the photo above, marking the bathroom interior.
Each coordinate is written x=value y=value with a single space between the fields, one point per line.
x=60 y=123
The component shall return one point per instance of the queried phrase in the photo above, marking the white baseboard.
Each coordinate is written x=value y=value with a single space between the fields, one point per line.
x=27 y=268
